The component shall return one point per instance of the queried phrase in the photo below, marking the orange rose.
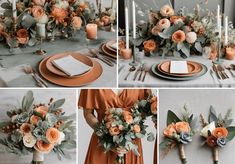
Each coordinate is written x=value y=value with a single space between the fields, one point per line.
x=211 y=141
x=149 y=45
x=182 y=127
x=83 y=6
x=42 y=110
x=34 y=119
x=114 y=131
x=136 y=128
x=53 y=135
x=43 y=146
x=178 y=36
x=153 y=106
x=59 y=14
x=106 y=20
x=128 y=117
x=167 y=11
x=22 y=33
x=170 y=130
x=25 y=128
x=220 y=132
x=76 y=23
x=37 y=12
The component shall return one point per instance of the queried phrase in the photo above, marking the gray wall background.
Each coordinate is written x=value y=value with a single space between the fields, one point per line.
x=10 y=98
x=199 y=102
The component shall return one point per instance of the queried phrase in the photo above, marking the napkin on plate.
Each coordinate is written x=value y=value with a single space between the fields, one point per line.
x=178 y=67
x=114 y=45
x=71 y=66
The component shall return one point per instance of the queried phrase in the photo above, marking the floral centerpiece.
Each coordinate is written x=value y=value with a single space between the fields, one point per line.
x=38 y=129
x=217 y=131
x=119 y=129
x=179 y=132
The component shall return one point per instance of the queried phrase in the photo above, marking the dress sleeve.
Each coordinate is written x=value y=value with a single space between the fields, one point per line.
x=88 y=99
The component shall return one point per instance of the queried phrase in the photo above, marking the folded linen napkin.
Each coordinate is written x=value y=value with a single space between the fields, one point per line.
x=71 y=66
x=178 y=67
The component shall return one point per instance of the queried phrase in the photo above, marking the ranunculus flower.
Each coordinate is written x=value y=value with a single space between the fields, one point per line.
x=178 y=36
x=39 y=2
x=182 y=127
x=150 y=45
x=59 y=14
x=136 y=128
x=221 y=142
x=76 y=23
x=29 y=140
x=53 y=135
x=169 y=130
x=114 y=131
x=155 y=30
x=210 y=127
x=167 y=11
x=191 y=37
x=211 y=141
x=37 y=12
x=176 y=19
x=127 y=117
x=220 y=132
x=153 y=106
x=43 y=147
x=106 y=20
x=163 y=24
x=185 y=138
x=42 y=110
x=25 y=128
x=34 y=119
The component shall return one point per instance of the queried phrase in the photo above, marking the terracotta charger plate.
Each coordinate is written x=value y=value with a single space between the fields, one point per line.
x=108 y=52
x=84 y=59
x=108 y=45
x=193 y=68
x=71 y=82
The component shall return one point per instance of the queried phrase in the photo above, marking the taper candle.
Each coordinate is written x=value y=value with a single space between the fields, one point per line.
x=127 y=27
x=14 y=8
x=134 y=19
x=226 y=31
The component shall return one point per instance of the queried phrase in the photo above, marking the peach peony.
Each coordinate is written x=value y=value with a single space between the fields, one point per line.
x=53 y=135
x=170 y=130
x=34 y=119
x=136 y=128
x=178 y=36
x=106 y=20
x=76 y=23
x=167 y=11
x=191 y=37
x=155 y=30
x=25 y=128
x=43 y=147
x=42 y=110
x=59 y=14
x=154 y=105
x=128 y=117
x=37 y=12
x=150 y=45
x=114 y=131
x=39 y=2
x=182 y=127
x=163 y=24
x=220 y=132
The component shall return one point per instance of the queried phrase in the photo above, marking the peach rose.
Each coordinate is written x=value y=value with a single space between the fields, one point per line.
x=170 y=130
x=42 y=110
x=155 y=30
x=114 y=131
x=163 y=24
x=150 y=45
x=39 y=2
x=182 y=127
x=43 y=147
x=25 y=128
x=167 y=11
x=106 y=20
x=34 y=119
x=59 y=14
x=37 y=12
x=83 y=6
x=136 y=128
x=153 y=106
x=128 y=117
x=178 y=36
x=53 y=135
x=220 y=132
x=76 y=23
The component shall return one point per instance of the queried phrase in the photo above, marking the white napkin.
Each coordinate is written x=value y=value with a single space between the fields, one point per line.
x=71 y=66
x=178 y=67
x=114 y=46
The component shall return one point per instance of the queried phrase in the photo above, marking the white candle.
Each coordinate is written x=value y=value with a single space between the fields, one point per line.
x=226 y=31
x=14 y=8
x=41 y=29
x=218 y=21
x=134 y=19
x=127 y=27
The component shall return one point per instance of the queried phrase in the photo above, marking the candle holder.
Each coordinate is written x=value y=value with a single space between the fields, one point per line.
x=41 y=34
x=218 y=60
x=40 y=51
x=134 y=61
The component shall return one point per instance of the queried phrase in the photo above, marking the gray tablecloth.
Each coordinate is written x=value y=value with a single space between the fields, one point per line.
x=152 y=80
x=61 y=45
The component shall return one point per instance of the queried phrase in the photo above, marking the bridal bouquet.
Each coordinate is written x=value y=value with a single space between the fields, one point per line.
x=217 y=132
x=118 y=131
x=38 y=129
x=179 y=132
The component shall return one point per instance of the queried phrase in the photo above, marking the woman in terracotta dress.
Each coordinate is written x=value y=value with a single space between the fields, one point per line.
x=98 y=100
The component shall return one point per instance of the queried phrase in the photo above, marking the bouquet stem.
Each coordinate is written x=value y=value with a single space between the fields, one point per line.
x=38 y=158
x=182 y=154
x=215 y=152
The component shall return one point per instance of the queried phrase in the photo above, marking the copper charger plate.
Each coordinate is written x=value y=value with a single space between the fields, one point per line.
x=108 y=52
x=193 y=67
x=108 y=45
x=71 y=82
x=84 y=59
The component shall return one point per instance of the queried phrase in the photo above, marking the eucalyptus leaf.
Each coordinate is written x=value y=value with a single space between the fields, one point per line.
x=212 y=115
x=172 y=118
x=55 y=105
x=231 y=133
x=198 y=47
x=27 y=101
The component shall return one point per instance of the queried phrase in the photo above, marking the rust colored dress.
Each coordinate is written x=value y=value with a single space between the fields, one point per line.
x=99 y=100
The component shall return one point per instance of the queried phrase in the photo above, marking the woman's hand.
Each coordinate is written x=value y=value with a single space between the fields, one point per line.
x=120 y=151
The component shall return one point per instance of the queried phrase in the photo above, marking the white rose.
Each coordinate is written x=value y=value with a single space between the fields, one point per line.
x=62 y=138
x=43 y=19
x=210 y=127
x=191 y=37
x=29 y=140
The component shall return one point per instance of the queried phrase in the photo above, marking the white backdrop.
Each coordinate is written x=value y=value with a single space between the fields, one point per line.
x=10 y=98
x=85 y=132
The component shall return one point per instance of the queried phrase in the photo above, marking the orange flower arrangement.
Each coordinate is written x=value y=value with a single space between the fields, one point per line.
x=43 y=147
x=53 y=135
x=59 y=14
x=220 y=132
x=43 y=110
x=170 y=130
x=178 y=36
x=150 y=45
x=182 y=127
